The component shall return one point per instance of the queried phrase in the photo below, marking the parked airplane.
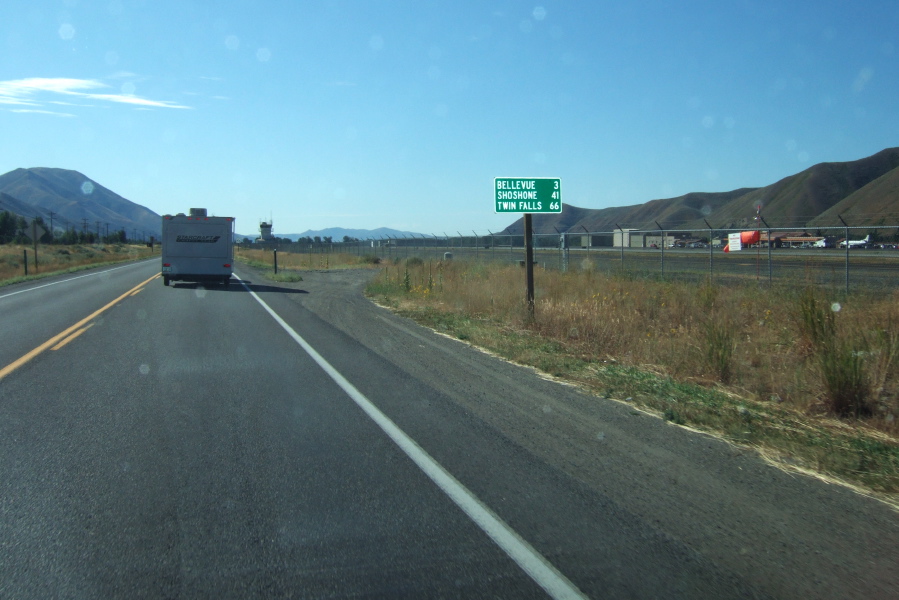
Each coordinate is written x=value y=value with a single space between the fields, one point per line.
x=856 y=243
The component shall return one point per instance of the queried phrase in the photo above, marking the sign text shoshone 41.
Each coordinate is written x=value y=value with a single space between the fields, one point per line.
x=527 y=195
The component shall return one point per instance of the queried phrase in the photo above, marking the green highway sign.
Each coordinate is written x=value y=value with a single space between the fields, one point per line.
x=527 y=195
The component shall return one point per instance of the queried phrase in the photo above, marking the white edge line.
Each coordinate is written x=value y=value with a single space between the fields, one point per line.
x=37 y=287
x=519 y=550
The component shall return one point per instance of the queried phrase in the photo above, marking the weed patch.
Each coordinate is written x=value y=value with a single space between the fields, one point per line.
x=284 y=276
x=54 y=260
x=304 y=261
x=767 y=368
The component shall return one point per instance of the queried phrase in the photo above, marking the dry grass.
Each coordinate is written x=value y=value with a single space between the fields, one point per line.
x=303 y=261
x=62 y=259
x=740 y=361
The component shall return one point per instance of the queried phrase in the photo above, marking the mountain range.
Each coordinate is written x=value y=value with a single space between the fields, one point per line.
x=864 y=192
x=72 y=200
x=337 y=234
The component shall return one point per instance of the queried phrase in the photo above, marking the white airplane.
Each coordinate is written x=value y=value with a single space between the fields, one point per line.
x=856 y=243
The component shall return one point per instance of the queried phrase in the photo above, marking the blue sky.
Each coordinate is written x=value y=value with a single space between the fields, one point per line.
x=400 y=114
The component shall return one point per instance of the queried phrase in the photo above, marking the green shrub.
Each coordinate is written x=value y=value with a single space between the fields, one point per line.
x=707 y=294
x=844 y=375
x=719 y=338
x=816 y=321
x=845 y=379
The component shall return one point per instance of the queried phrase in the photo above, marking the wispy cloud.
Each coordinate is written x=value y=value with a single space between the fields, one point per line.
x=38 y=91
x=864 y=76
x=63 y=103
x=41 y=112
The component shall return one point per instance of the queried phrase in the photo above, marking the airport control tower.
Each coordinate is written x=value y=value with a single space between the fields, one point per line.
x=265 y=232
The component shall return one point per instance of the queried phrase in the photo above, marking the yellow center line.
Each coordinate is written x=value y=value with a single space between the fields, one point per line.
x=71 y=337
x=62 y=335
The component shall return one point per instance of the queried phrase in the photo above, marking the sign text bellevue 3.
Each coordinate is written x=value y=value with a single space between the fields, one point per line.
x=527 y=195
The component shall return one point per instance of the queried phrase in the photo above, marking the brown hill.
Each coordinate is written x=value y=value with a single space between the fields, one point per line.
x=11 y=204
x=800 y=200
x=875 y=204
x=865 y=191
x=671 y=213
x=74 y=200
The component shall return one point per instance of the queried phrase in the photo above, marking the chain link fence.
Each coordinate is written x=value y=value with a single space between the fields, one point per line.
x=844 y=258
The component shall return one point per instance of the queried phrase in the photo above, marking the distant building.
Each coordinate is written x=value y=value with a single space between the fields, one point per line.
x=622 y=237
x=265 y=233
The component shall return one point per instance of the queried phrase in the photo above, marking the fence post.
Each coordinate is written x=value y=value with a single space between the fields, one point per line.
x=847 y=261
x=622 y=247
x=846 y=243
x=25 y=255
x=563 y=252
x=663 y=247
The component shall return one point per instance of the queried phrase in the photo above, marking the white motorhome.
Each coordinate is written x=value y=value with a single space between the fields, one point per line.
x=197 y=247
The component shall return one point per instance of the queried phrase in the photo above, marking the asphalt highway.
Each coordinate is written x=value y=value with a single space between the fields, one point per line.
x=294 y=440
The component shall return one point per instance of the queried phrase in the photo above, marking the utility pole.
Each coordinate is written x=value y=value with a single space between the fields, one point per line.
x=51 y=225
x=34 y=237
